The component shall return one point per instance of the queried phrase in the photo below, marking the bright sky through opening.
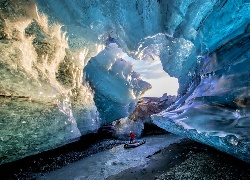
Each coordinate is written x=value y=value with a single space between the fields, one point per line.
x=153 y=73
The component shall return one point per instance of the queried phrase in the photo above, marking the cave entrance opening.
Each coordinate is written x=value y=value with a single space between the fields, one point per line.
x=153 y=73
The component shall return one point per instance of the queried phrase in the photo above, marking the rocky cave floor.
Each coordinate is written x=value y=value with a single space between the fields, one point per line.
x=35 y=166
x=188 y=160
x=184 y=160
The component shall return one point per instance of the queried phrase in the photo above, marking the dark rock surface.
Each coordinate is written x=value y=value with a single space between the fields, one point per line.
x=147 y=106
x=188 y=160
x=185 y=160
x=34 y=166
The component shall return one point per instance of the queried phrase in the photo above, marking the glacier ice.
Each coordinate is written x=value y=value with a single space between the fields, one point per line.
x=214 y=108
x=89 y=23
x=44 y=104
x=45 y=46
x=117 y=87
x=203 y=43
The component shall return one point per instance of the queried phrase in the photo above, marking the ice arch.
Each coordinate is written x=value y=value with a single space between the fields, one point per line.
x=45 y=46
x=116 y=86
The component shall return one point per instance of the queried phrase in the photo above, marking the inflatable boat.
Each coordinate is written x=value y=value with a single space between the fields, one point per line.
x=135 y=144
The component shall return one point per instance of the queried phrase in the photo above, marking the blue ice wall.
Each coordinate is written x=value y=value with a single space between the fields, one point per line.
x=47 y=45
x=213 y=106
x=117 y=87
x=216 y=112
x=92 y=21
x=203 y=43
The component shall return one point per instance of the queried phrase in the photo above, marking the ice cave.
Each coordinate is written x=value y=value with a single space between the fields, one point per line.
x=70 y=67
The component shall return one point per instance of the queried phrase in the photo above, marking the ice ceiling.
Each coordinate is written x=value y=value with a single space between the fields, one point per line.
x=64 y=71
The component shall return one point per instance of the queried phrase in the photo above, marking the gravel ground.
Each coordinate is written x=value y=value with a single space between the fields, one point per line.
x=111 y=162
x=188 y=160
x=38 y=165
x=184 y=160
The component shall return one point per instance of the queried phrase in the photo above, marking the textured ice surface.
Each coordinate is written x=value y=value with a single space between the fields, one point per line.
x=43 y=103
x=90 y=22
x=215 y=108
x=117 y=87
x=45 y=46
x=203 y=43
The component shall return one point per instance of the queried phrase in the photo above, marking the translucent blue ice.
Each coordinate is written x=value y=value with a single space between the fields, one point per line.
x=117 y=87
x=203 y=43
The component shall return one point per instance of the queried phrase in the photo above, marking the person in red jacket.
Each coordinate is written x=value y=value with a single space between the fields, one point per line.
x=132 y=136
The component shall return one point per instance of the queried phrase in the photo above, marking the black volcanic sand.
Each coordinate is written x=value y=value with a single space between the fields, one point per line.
x=188 y=160
x=35 y=166
x=184 y=160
